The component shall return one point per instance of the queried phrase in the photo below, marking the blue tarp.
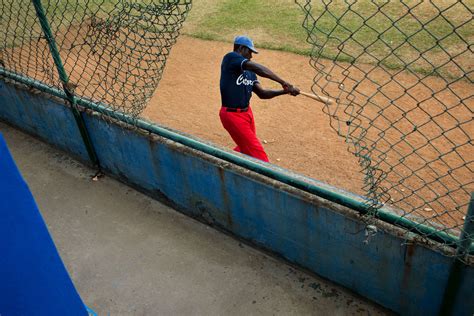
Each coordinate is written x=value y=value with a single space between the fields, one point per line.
x=33 y=279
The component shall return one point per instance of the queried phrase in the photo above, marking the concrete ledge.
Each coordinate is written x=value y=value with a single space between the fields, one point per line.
x=326 y=238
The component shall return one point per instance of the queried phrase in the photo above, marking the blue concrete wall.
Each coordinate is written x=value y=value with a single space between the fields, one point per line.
x=316 y=234
x=42 y=117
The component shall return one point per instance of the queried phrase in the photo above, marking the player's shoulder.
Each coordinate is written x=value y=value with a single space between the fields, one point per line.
x=233 y=55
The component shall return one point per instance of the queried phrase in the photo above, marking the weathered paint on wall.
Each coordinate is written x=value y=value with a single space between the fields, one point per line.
x=321 y=236
x=42 y=117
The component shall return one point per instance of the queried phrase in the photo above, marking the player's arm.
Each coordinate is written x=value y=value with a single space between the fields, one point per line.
x=266 y=94
x=267 y=73
x=263 y=72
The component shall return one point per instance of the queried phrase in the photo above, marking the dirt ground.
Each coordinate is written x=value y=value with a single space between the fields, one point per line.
x=295 y=131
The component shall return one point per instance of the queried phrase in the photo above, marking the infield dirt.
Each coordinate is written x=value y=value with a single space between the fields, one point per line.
x=295 y=132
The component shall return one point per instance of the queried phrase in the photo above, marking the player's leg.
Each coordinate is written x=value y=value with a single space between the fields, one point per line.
x=232 y=122
x=228 y=122
x=241 y=129
x=255 y=147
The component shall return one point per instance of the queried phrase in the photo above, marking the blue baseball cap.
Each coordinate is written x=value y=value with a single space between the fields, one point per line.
x=245 y=41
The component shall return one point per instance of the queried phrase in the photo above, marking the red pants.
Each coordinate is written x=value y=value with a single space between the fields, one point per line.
x=241 y=127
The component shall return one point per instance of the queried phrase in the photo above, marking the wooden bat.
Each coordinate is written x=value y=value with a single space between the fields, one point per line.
x=316 y=97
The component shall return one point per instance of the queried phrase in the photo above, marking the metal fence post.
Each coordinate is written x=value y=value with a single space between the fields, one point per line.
x=467 y=234
x=455 y=275
x=65 y=82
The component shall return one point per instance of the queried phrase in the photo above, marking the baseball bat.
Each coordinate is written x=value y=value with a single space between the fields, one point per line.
x=316 y=97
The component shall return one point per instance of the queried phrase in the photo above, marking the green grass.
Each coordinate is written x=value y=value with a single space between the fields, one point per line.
x=272 y=24
x=392 y=33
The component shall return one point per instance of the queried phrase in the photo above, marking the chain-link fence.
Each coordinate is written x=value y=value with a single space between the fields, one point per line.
x=401 y=73
x=113 y=51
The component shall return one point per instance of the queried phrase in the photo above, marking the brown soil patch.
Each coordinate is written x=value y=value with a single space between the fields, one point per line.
x=298 y=133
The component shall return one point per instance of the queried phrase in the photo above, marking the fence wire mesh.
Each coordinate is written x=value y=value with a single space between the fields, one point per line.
x=401 y=73
x=114 y=51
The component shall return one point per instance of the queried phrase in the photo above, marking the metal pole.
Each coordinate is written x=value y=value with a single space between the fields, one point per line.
x=455 y=275
x=65 y=82
x=467 y=233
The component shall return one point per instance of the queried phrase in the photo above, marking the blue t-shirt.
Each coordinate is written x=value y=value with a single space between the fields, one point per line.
x=236 y=83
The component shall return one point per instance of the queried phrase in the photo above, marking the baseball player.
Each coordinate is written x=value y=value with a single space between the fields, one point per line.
x=238 y=81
